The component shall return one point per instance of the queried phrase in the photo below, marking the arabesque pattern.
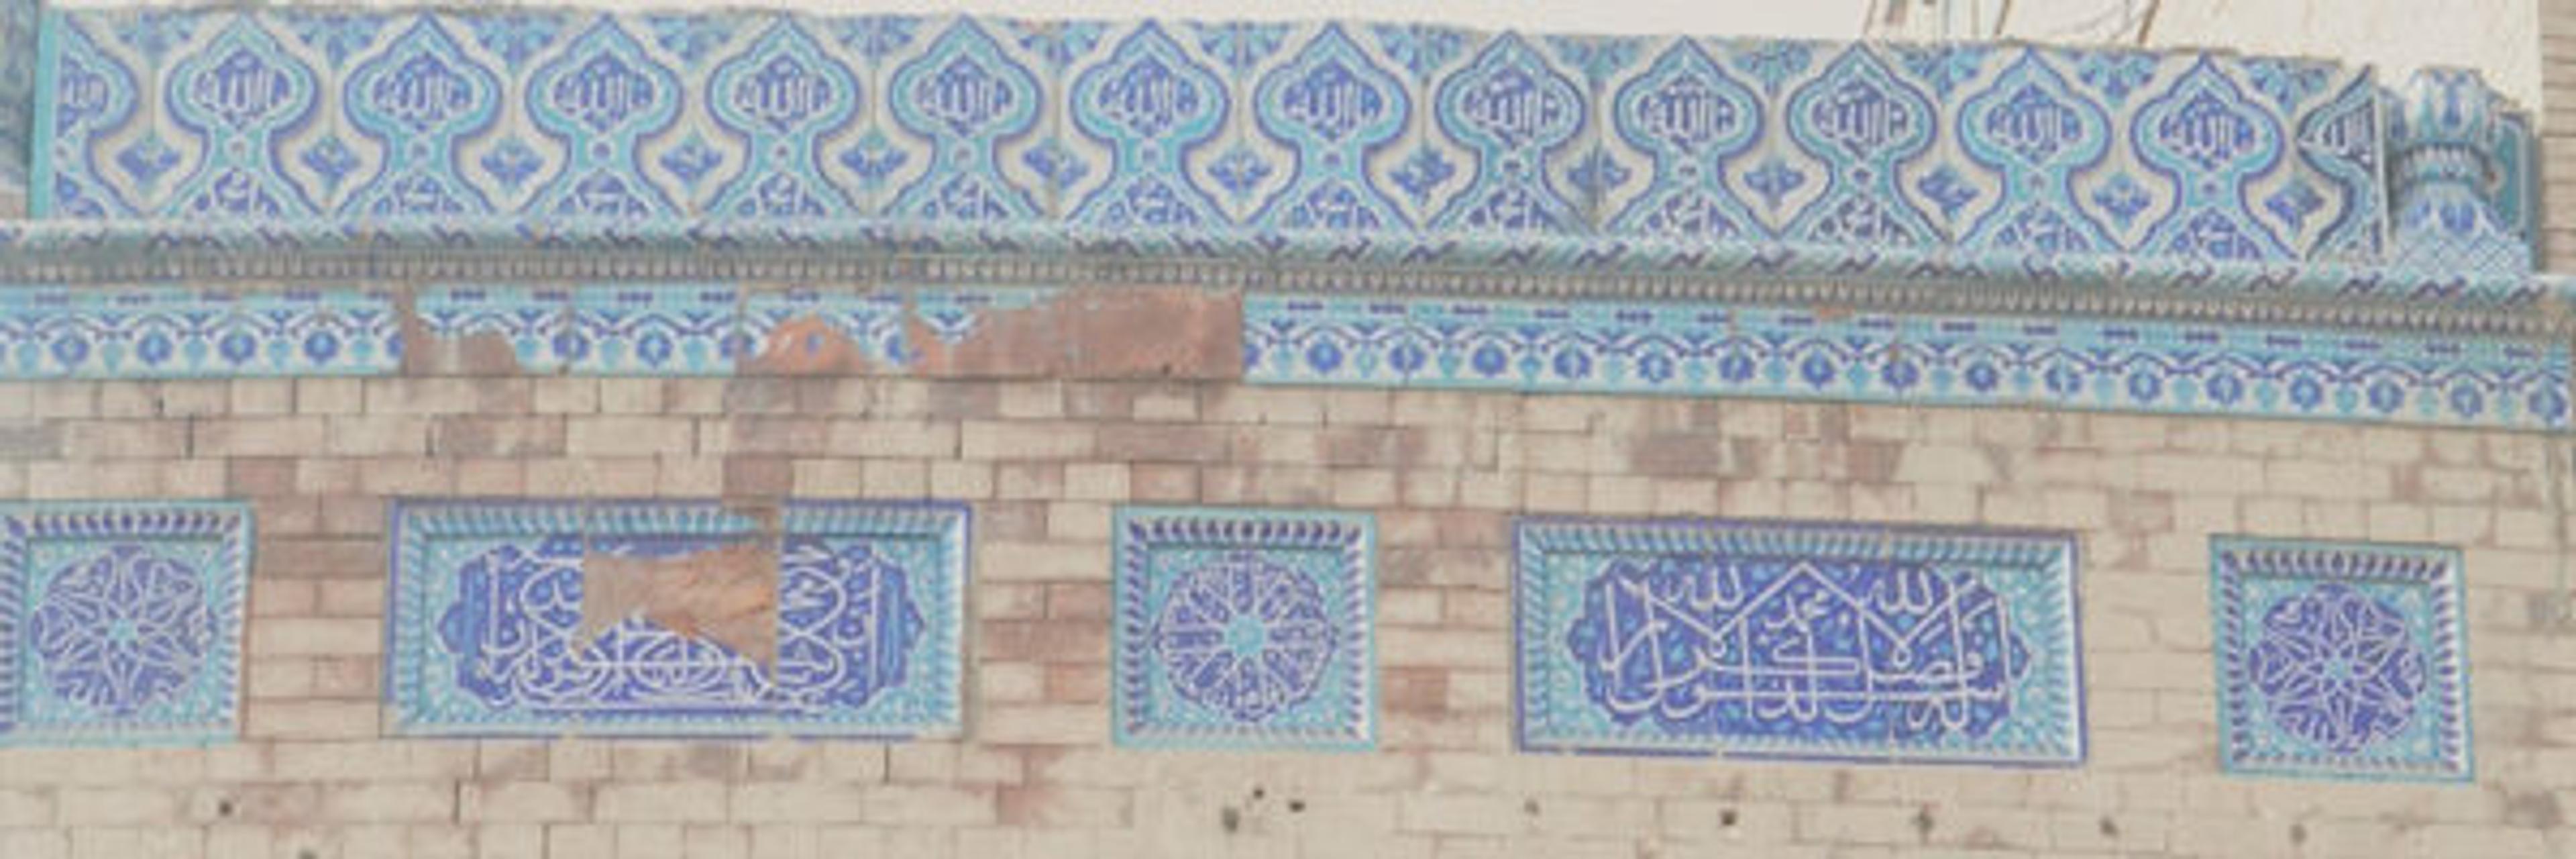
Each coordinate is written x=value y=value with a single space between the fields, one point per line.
x=2341 y=660
x=1245 y=629
x=1395 y=132
x=121 y=622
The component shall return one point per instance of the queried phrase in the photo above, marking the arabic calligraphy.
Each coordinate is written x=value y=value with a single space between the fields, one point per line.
x=1809 y=648
x=847 y=626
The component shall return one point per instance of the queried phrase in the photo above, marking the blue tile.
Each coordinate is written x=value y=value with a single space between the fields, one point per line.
x=1244 y=629
x=1402 y=136
x=169 y=332
x=842 y=619
x=950 y=315
x=1750 y=350
x=1338 y=107
x=2340 y=660
x=418 y=101
x=1146 y=113
x=121 y=622
x=1517 y=113
x=776 y=102
x=1681 y=126
x=597 y=102
x=2031 y=127
x=2208 y=138
x=531 y=319
x=235 y=101
x=970 y=103
x=1865 y=120
x=1787 y=640
x=654 y=330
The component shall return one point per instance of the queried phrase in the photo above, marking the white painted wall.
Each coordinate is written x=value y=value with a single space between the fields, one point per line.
x=2500 y=38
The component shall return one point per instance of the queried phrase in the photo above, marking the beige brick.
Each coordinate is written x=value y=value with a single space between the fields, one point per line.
x=290 y=636
x=1024 y=440
x=98 y=440
x=909 y=439
x=629 y=436
x=794 y=802
x=663 y=802
x=390 y=803
x=116 y=807
x=260 y=436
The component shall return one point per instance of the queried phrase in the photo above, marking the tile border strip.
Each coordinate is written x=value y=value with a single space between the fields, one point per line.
x=1961 y=360
x=1777 y=350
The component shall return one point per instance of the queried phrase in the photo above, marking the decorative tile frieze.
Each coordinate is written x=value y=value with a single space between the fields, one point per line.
x=653 y=618
x=1746 y=350
x=824 y=331
x=1244 y=629
x=1409 y=136
x=531 y=322
x=2340 y=660
x=121 y=622
x=176 y=332
x=654 y=330
x=1788 y=640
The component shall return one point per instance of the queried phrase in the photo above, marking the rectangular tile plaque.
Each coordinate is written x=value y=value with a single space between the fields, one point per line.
x=2340 y=660
x=676 y=618
x=1245 y=628
x=1792 y=640
x=121 y=622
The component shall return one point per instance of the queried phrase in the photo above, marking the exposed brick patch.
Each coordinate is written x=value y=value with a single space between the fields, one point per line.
x=808 y=346
x=425 y=354
x=758 y=476
x=1098 y=332
x=727 y=594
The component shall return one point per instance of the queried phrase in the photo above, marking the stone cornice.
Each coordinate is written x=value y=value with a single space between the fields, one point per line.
x=867 y=251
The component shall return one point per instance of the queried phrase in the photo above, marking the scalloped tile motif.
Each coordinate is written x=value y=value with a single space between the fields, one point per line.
x=1382 y=132
x=1244 y=628
x=1756 y=639
x=121 y=622
x=2341 y=660
x=676 y=618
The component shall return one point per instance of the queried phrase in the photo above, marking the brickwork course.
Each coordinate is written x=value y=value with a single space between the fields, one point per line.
x=1044 y=461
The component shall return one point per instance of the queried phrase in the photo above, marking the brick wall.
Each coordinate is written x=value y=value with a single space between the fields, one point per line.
x=2557 y=34
x=1044 y=463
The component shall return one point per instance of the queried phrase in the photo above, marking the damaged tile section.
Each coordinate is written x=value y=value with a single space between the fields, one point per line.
x=810 y=332
x=726 y=595
x=1096 y=332
x=483 y=331
x=669 y=618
